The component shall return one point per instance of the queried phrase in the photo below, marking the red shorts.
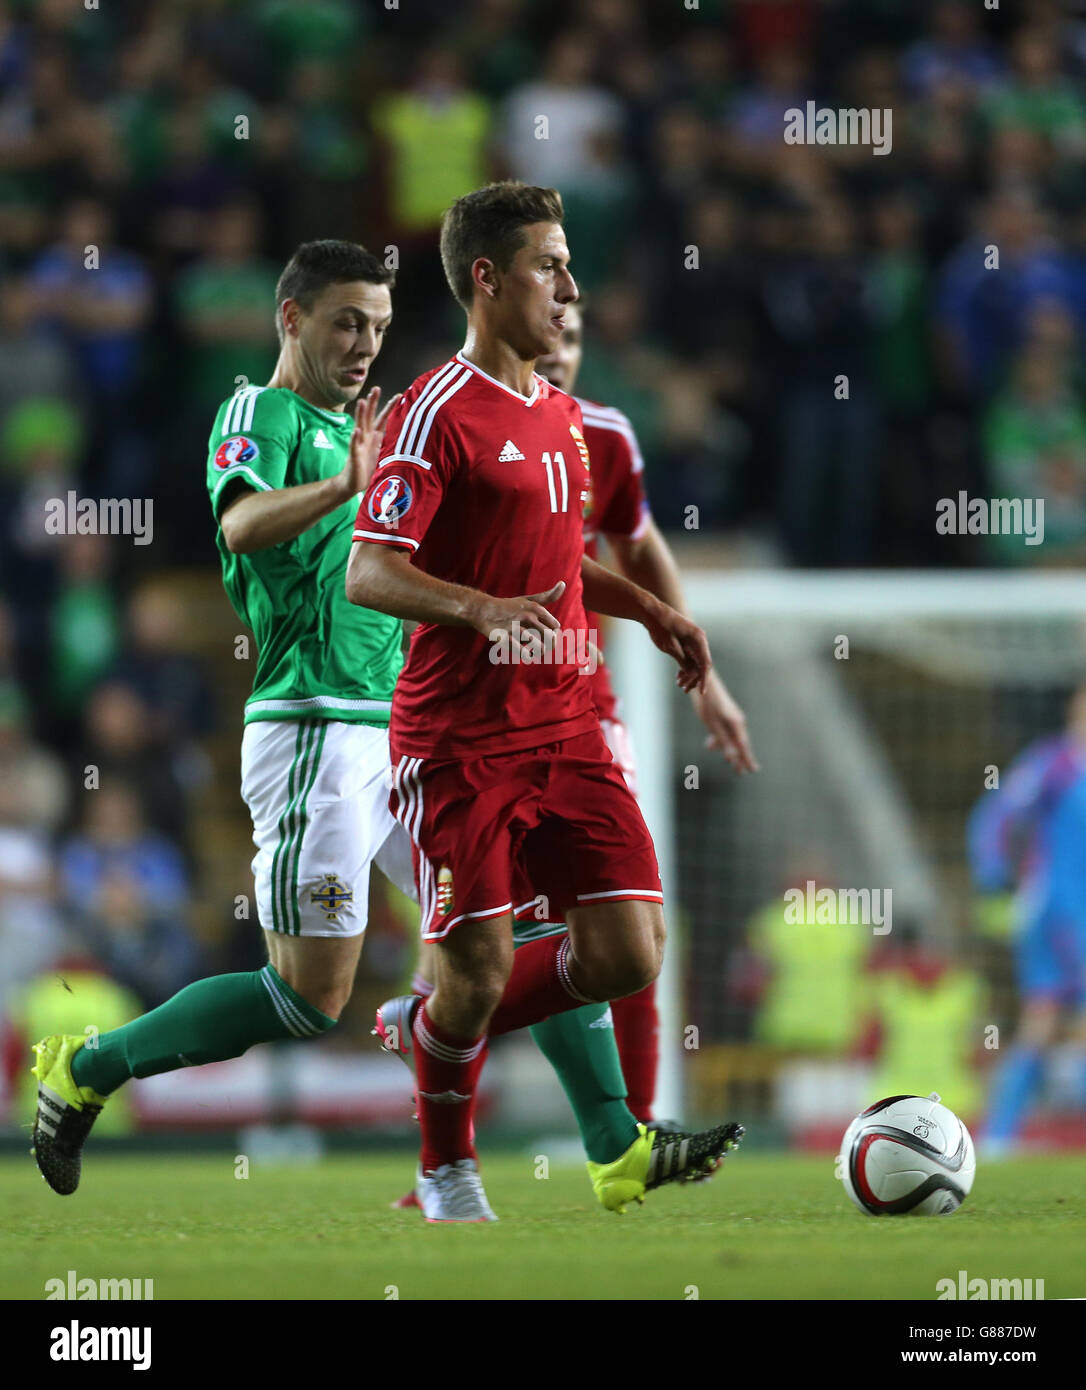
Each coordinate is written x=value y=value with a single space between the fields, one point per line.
x=485 y=831
x=617 y=737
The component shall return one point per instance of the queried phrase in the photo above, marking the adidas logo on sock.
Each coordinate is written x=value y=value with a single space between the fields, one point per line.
x=509 y=452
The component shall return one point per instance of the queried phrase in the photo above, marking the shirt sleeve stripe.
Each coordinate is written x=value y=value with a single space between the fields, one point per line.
x=250 y=407
x=624 y=429
x=418 y=444
x=643 y=525
x=231 y=411
x=383 y=539
x=404 y=458
x=433 y=386
x=242 y=405
x=237 y=470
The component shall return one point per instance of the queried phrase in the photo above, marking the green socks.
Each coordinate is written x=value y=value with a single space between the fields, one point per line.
x=225 y=1015
x=208 y=1021
x=580 y=1046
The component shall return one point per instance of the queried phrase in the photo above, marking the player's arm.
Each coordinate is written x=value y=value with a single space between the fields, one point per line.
x=252 y=520
x=259 y=520
x=382 y=577
x=613 y=594
x=646 y=560
x=987 y=844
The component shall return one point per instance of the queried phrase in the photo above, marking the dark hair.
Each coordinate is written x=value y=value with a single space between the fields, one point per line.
x=490 y=223
x=317 y=264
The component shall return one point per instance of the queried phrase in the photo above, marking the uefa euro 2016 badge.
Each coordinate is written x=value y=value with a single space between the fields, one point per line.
x=390 y=501
x=237 y=449
x=331 y=896
x=582 y=449
x=445 y=897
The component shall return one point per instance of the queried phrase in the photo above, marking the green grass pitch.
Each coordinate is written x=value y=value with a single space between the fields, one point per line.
x=767 y=1227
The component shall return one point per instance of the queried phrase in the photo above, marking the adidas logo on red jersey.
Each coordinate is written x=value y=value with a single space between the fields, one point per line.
x=509 y=452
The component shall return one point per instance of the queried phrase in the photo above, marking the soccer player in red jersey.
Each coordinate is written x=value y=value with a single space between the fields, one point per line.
x=578 y=1042
x=472 y=527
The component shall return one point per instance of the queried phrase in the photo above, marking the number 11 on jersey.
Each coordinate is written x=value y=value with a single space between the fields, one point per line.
x=559 y=468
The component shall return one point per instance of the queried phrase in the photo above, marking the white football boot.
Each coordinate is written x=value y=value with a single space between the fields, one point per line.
x=453 y=1192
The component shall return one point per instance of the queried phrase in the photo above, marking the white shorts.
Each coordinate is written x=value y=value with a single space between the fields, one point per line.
x=317 y=791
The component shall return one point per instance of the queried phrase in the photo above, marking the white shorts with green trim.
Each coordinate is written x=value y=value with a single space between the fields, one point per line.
x=317 y=791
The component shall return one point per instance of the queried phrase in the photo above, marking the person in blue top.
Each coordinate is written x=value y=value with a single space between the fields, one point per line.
x=1030 y=833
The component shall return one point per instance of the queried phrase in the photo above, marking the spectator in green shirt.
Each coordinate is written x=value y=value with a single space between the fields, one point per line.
x=899 y=282
x=1039 y=96
x=84 y=626
x=222 y=309
x=294 y=31
x=1035 y=446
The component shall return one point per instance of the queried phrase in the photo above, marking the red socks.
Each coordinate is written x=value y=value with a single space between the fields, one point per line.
x=538 y=987
x=637 y=1028
x=446 y=1073
x=447 y=1067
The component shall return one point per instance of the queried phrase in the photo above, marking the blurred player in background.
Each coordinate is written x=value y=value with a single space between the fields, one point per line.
x=498 y=755
x=620 y=512
x=1031 y=833
x=286 y=464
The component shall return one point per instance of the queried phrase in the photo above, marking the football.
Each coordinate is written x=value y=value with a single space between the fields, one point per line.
x=907 y=1156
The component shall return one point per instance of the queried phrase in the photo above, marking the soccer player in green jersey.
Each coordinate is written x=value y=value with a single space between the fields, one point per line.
x=286 y=463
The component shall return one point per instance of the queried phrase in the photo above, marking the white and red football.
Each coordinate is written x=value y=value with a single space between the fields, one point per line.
x=907 y=1156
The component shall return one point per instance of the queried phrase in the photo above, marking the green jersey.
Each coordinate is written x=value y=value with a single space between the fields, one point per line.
x=319 y=656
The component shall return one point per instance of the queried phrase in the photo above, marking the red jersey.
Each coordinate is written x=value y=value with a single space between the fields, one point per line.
x=488 y=489
x=618 y=507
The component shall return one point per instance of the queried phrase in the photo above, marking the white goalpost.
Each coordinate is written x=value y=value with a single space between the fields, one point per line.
x=876 y=703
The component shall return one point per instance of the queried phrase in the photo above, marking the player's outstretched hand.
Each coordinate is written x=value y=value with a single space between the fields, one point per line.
x=365 y=449
x=685 y=642
x=726 y=723
x=525 y=619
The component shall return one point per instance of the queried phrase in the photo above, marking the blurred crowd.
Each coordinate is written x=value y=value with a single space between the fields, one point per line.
x=97 y=860
x=733 y=278
x=160 y=159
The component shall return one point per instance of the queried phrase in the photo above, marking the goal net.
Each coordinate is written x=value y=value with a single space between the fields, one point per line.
x=881 y=706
